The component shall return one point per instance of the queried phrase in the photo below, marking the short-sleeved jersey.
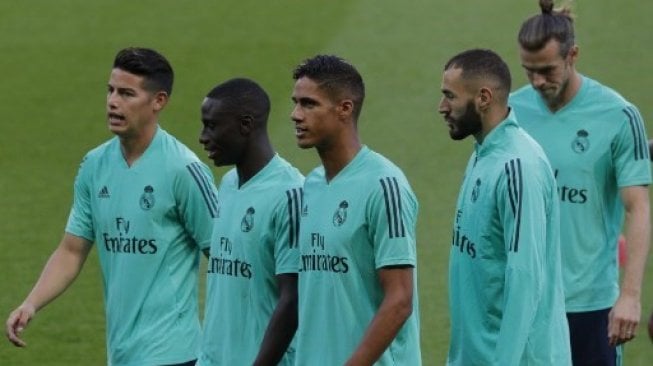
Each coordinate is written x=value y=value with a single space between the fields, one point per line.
x=148 y=222
x=506 y=298
x=357 y=223
x=596 y=145
x=255 y=237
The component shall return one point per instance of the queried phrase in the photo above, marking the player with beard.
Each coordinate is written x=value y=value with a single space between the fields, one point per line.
x=596 y=143
x=505 y=282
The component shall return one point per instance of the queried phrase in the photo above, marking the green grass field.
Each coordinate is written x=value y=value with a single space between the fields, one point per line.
x=55 y=58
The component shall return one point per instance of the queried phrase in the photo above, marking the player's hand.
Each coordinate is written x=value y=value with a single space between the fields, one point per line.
x=623 y=319
x=16 y=323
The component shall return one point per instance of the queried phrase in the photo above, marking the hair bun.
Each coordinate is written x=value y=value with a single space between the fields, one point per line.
x=546 y=6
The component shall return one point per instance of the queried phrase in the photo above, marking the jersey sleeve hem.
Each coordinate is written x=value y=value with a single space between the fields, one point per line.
x=81 y=235
x=286 y=270
x=205 y=244
x=641 y=182
x=396 y=261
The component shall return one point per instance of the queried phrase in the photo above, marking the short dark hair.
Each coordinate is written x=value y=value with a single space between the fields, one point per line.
x=151 y=65
x=483 y=64
x=557 y=24
x=337 y=77
x=243 y=96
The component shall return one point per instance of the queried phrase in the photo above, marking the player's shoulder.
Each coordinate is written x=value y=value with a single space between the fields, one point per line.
x=606 y=104
x=179 y=160
x=104 y=148
x=383 y=179
x=315 y=176
x=181 y=166
x=101 y=152
x=598 y=92
x=528 y=156
x=230 y=178
x=368 y=167
x=377 y=166
x=528 y=144
x=524 y=92
x=286 y=173
x=514 y=145
x=176 y=152
x=523 y=97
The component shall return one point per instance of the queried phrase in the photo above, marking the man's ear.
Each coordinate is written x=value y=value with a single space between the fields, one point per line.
x=574 y=51
x=246 y=124
x=160 y=100
x=345 y=109
x=484 y=98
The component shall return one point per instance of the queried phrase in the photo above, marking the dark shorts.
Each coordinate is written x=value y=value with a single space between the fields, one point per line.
x=189 y=363
x=588 y=332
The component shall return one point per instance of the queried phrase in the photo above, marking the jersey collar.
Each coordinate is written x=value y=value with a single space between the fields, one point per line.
x=496 y=137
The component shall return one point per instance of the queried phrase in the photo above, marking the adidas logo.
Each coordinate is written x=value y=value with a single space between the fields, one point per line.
x=104 y=192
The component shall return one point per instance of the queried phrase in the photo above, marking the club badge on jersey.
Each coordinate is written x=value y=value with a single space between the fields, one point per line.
x=147 y=198
x=340 y=216
x=247 y=223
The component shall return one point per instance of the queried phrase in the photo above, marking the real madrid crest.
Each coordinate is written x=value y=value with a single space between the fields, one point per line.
x=340 y=216
x=247 y=223
x=147 y=198
x=581 y=143
x=476 y=190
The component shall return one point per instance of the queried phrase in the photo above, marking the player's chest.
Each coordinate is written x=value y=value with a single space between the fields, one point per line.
x=477 y=230
x=244 y=218
x=477 y=201
x=574 y=144
x=335 y=215
x=141 y=196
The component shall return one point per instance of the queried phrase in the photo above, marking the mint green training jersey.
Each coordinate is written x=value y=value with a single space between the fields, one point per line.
x=505 y=283
x=148 y=222
x=254 y=239
x=354 y=225
x=596 y=145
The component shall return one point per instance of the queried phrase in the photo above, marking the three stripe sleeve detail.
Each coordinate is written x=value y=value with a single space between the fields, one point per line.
x=294 y=197
x=205 y=187
x=515 y=192
x=393 y=208
x=640 y=146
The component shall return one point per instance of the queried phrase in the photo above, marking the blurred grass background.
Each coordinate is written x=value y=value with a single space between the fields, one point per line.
x=55 y=59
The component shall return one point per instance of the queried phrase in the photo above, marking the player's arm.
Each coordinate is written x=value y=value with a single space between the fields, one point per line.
x=630 y=155
x=283 y=323
x=59 y=272
x=523 y=211
x=626 y=312
x=197 y=202
x=396 y=307
x=392 y=217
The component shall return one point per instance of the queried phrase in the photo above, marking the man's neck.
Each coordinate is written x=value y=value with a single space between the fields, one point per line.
x=491 y=120
x=254 y=161
x=336 y=157
x=133 y=147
